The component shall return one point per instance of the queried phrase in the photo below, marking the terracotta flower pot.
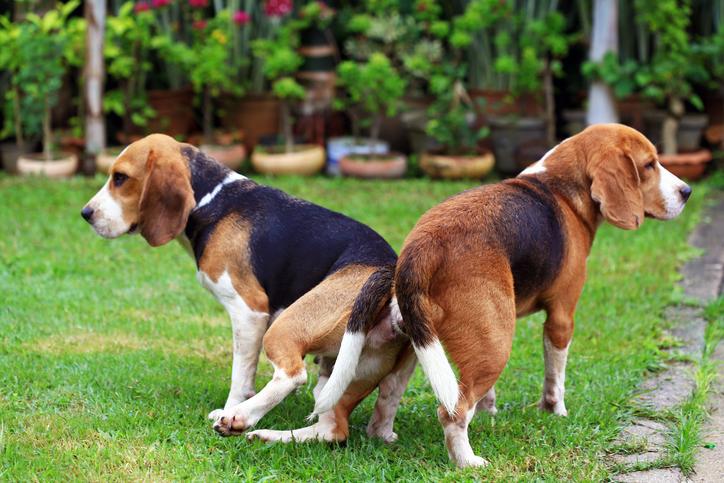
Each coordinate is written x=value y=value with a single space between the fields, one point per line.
x=254 y=115
x=305 y=159
x=174 y=111
x=230 y=155
x=457 y=167
x=105 y=159
x=62 y=166
x=389 y=166
x=687 y=165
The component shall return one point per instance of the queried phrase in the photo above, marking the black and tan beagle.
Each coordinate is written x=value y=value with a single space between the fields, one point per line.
x=479 y=260
x=287 y=271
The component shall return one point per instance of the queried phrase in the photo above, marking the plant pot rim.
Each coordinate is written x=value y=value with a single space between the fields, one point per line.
x=510 y=120
x=374 y=157
x=443 y=154
x=40 y=157
x=280 y=150
x=696 y=157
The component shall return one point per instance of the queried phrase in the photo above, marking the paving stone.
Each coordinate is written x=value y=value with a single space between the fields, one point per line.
x=667 y=388
x=652 y=431
x=710 y=461
x=637 y=458
x=661 y=475
x=688 y=327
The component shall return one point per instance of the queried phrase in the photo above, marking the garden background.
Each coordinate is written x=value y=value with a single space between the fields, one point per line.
x=111 y=355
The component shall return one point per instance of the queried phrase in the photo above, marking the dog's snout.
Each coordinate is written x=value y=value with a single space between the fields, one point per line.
x=685 y=192
x=87 y=213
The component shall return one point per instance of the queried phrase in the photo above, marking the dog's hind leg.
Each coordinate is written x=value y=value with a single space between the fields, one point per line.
x=392 y=387
x=557 y=335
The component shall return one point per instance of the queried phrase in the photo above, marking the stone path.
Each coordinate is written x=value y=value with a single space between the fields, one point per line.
x=703 y=280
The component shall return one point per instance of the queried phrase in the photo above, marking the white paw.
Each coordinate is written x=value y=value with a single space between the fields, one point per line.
x=558 y=407
x=473 y=462
x=388 y=437
x=215 y=414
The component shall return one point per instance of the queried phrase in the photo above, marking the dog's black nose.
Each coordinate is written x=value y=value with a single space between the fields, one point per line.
x=685 y=193
x=86 y=213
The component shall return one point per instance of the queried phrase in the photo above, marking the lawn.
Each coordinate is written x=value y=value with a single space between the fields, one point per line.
x=111 y=354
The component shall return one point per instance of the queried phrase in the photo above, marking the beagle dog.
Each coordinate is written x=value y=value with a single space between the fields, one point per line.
x=287 y=271
x=484 y=257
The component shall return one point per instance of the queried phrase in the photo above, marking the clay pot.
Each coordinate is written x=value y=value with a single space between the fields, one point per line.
x=688 y=136
x=509 y=134
x=339 y=147
x=389 y=166
x=230 y=155
x=457 y=167
x=495 y=103
x=254 y=115
x=9 y=154
x=63 y=165
x=105 y=159
x=687 y=165
x=174 y=111
x=305 y=159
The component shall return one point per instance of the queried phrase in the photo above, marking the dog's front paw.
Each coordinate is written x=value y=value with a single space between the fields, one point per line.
x=473 y=462
x=386 y=435
x=556 y=407
x=230 y=423
x=215 y=414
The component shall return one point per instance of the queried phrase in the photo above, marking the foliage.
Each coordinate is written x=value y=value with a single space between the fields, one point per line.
x=37 y=52
x=127 y=49
x=373 y=88
x=118 y=387
x=512 y=43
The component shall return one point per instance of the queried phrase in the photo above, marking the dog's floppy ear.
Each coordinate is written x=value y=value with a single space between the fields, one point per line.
x=166 y=200
x=616 y=186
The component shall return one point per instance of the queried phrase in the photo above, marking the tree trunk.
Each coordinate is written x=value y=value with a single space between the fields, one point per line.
x=287 y=127
x=47 y=132
x=375 y=131
x=208 y=125
x=601 y=104
x=550 y=104
x=19 y=138
x=670 y=126
x=94 y=71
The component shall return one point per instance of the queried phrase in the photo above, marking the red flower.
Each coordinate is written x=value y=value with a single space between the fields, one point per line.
x=198 y=3
x=200 y=24
x=278 y=8
x=241 y=18
x=142 y=6
x=159 y=3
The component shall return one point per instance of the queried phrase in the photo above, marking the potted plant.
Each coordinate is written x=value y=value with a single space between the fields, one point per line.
x=40 y=67
x=455 y=125
x=373 y=89
x=212 y=70
x=256 y=114
x=515 y=50
x=127 y=50
x=281 y=62
x=667 y=80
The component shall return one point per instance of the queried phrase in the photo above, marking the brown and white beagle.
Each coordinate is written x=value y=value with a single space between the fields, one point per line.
x=287 y=271
x=479 y=260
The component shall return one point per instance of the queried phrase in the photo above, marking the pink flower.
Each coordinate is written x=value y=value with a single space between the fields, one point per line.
x=200 y=24
x=159 y=3
x=141 y=6
x=198 y=3
x=278 y=8
x=241 y=18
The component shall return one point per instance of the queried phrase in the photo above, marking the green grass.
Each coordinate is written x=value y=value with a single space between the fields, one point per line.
x=111 y=355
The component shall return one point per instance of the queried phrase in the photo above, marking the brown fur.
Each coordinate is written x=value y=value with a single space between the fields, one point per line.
x=463 y=288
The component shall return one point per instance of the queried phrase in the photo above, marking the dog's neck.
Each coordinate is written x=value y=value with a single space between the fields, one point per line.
x=209 y=179
x=559 y=171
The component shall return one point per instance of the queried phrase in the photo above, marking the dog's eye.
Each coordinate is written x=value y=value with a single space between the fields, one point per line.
x=650 y=165
x=119 y=179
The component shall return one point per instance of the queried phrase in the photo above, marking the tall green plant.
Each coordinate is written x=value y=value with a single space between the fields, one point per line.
x=37 y=56
x=373 y=89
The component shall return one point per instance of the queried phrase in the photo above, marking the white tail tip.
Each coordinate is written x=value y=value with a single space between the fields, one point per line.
x=440 y=374
x=343 y=373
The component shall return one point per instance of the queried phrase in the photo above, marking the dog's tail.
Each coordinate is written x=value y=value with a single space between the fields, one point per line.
x=375 y=294
x=416 y=268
